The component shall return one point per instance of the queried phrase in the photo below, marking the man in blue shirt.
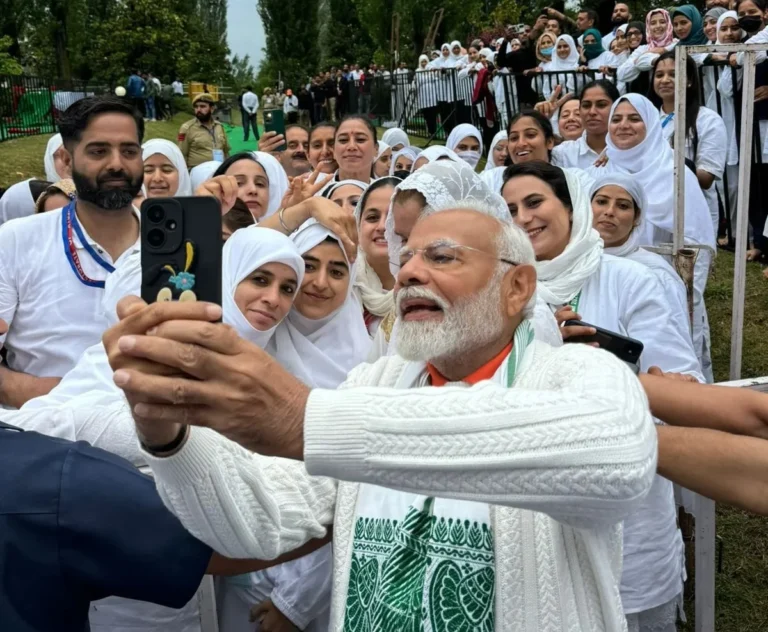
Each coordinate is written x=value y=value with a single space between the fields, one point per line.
x=134 y=90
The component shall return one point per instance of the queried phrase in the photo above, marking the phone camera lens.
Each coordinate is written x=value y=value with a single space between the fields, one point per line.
x=171 y=224
x=156 y=214
x=155 y=237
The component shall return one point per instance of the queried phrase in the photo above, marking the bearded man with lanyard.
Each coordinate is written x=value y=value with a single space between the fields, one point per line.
x=53 y=265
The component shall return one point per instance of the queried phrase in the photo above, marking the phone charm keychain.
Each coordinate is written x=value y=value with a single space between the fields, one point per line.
x=184 y=280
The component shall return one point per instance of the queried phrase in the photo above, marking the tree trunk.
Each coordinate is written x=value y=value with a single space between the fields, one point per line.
x=63 y=64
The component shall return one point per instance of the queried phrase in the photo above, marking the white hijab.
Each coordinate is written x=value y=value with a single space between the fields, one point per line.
x=172 y=153
x=633 y=188
x=409 y=152
x=423 y=58
x=17 y=202
x=55 y=142
x=395 y=136
x=456 y=60
x=460 y=132
x=278 y=181
x=436 y=152
x=651 y=165
x=442 y=61
x=382 y=148
x=490 y=163
x=561 y=278
x=723 y=18
x=327 y=191
x=202 y=173
x=569 y=63
x=321 y=352
x=245 y=251
x=368 y=287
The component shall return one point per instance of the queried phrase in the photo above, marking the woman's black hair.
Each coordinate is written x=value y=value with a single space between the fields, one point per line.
x=358 y=117
x=692 y=98
x=377 y=184
x=314 y=128
x=243 y=155
x=38 y=187
x=760 y=4
x=553 y=176
x=608 y=87
x=543 y=122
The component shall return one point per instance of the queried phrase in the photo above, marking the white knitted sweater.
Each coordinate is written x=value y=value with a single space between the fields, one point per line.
x=562 y=458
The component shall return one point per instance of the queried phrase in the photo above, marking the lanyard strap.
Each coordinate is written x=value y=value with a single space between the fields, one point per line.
x=667 y=119
x=574 y=302
x=68 y=221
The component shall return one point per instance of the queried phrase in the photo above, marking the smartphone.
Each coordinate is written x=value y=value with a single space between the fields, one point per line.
x=181 y=249
x=274 y=121
x=624 y=348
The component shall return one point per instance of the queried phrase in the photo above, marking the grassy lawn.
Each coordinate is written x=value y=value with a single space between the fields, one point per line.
x=742 y=587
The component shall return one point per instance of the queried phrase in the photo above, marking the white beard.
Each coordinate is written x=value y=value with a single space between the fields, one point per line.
x=470 y=323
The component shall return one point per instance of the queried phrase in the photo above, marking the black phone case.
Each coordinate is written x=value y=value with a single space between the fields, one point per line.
x=275 y=123
x=623 y=347
x=188 y=265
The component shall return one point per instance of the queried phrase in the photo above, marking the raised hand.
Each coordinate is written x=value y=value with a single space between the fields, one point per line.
x=223 y=188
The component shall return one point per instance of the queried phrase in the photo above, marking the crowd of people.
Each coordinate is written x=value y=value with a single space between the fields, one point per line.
x=152 y=97
x=397 y=417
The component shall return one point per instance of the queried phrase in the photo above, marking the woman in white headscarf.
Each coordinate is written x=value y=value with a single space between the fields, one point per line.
x=395 y=138
x=497 y=152
x=202 y=173
x=165 y=170
x=55 y=167
x=345 y=193
x=638 y=148
x=374 y=281
x=402 y=162
x=382 y=161
x=467 y=142
x=324 y=336
x=17 y=201
x=565 y=60
x=440 y=185
x=578 y=280
x=433 y=153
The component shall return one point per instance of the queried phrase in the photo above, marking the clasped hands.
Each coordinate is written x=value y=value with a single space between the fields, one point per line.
x=179 y=367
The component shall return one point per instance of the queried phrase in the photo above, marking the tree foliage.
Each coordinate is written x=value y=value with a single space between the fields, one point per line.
x=8 y=65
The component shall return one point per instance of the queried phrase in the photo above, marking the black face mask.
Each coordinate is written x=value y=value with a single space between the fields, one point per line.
x=402 y=174
x=751 y=23
x=619 y=21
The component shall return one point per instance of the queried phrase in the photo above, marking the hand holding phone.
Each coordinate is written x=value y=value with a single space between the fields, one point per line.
x=623 y=347
x=274 y=121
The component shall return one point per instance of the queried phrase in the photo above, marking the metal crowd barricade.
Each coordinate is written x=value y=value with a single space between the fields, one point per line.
x=431 y=102
x=705 y=508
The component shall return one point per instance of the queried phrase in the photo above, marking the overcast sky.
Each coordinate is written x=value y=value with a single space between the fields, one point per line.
x=244 y=31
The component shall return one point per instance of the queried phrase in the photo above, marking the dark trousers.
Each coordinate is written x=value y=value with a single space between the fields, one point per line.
x=758 y=198
x=430 y=117
x=448 y=116
x=250 y=121
x=319 y=113
x=293 y=118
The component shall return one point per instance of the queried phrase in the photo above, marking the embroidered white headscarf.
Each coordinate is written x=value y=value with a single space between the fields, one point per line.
x=321 y=352
x=173 y=153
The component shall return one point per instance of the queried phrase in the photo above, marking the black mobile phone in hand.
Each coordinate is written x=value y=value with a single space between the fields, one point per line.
x=181 y=249
x=623 y=347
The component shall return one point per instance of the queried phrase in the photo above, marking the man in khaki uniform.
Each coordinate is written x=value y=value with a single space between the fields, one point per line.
x=203 y=138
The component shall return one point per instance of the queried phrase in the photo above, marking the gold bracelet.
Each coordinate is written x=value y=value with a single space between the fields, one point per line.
x=282 y=222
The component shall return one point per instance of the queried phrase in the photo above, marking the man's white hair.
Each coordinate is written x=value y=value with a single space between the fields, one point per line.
x=512 y=242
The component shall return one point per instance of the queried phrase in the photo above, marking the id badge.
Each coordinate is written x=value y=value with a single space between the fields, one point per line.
x=218 y=155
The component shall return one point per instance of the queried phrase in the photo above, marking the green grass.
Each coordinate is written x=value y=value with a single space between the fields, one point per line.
x=742 y=587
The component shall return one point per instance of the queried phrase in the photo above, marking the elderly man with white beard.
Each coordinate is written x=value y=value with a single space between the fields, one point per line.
x=478 y=480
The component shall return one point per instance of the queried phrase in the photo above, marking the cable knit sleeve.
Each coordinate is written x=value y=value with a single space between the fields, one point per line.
x=241 y=504
x=574 y=438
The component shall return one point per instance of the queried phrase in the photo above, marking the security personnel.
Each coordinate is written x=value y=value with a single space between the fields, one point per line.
x=203 y=138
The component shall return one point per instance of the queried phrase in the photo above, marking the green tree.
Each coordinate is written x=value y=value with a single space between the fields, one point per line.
x=8 y=64
x=344 y=38
x=291 y=29
x=241 y=73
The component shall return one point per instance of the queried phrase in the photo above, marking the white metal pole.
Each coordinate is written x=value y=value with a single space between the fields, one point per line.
x=681 y=83
x=742 y=214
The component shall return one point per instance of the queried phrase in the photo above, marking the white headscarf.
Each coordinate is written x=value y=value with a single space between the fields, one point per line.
x=435 y=152
x=422 y=57
x=173 y=153
x=17 y=201
x=368 y=286
x=441 y=61
x=382 y=148
x=569 y=63
x=55 y=142
x=456 y=60
x=723 y=18
x=327 y=191
x=321 y=352
x=633 y=188
x=487 y=53
x=395 y=136
x=458 y=134
x=651 y=165
x=409 y=152
x=202 y=173
x=278 y=180
x=245 y=251
x=490 y=163
x=443 y=184
x=562 y=278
